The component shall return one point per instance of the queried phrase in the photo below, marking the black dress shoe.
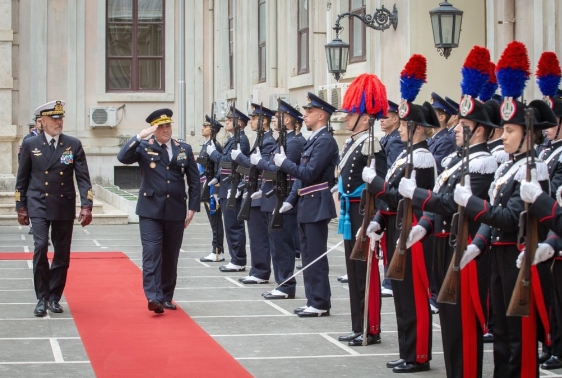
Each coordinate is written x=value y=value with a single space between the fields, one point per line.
x=41 y=308
x=394 y=363
x=55 y=307
x=553 y=362
x=168 y=305
x=371 y=339
x=349 y=337
x=488 y=338
x=543 y=357
x=411 y=368
x=30 y=232
x=226 y=269
x=306 y=314
x=155 y=306
x=278 y=295
x=298 y=309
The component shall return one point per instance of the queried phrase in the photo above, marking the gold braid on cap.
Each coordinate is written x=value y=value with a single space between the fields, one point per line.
x=161 y=120
x=57 y=110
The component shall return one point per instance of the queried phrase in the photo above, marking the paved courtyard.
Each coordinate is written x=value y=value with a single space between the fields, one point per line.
x=264 y=336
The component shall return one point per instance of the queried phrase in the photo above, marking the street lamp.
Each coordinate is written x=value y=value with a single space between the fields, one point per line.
x=446 y=23
x=337 y=51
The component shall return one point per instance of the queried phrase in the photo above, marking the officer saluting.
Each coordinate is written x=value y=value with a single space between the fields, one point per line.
x=315 y=175
x=45 y=195
x=163 y=208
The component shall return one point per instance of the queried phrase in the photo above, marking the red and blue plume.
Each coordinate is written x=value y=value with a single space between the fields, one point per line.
x=475 y=71
x=491 y=86
x=366 y=95
x=548 y=74
x=512 y=70
x=412 y=77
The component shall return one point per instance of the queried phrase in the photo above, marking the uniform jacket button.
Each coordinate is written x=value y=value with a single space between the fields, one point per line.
x=46 y=183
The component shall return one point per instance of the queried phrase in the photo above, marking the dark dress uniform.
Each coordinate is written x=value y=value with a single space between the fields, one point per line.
x=257 y=221
x=281 y=241
x=214 y=216
x=462 y=324
x=353 y=159
x=162 y=208
x=315 y=177
x=45 y=186
x=496 y=149
x=233 y=228
x=411 y=300
x=393 y=147
x=440 y=145
x=499 y=232
x=296 y=235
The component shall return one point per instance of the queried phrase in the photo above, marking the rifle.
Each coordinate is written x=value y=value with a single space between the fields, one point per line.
x=234 y=174
x=397 y=267
x=367 y=206
x=251 y=174
x=206 y=162
x=519 y=305
x=280 y=188
x=458 y=239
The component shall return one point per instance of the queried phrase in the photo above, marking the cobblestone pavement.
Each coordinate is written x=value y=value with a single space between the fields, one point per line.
x=265 y=336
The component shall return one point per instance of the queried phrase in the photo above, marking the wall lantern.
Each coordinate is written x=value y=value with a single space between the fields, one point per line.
x=446 y=22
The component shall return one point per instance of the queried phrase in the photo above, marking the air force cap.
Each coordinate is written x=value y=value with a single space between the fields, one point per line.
x=287 y=108
x=439 y=103
x=53 y=109
x=209 y=121
x=237 y=113
x=316 y=102
x=265 y=111
x=160 y=117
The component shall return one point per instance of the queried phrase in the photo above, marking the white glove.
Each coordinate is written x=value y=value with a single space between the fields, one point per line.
x=543 y=252
x=238 y=192
x=373 y=227
x=213 y=181
x=210 y=148
x=216 y=197
x=244 y=195
x=416 y=234
x=407 y=186
x=255 y=157
x=334 y=189
x=471 y=252
x=531 y=190
x=369 y=173
x=256 y=195
x=228 y=194
x=463 y=192
x=285 y=207
x=234 y=153
x=279 y=158
x=375 y=237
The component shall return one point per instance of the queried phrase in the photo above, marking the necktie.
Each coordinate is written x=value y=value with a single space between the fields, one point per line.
x=166 y=158
x=52 y=144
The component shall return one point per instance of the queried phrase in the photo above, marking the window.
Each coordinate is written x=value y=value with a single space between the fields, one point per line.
x=135 y=46
x=261 y=41
x=231 y=42
x=357 y=38
x=302 y=33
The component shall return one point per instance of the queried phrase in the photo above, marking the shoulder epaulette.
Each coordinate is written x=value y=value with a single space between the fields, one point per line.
x=501 y=156
x=559 y=196
x=485 y=164
x=423 y=159
x=447 y=159
x=366 y=148
x=542 y=172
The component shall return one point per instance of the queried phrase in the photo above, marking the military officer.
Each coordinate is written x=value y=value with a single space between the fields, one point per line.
x=212 y=207
x=442 y=143
x=315 y=177
x=234 y=228
x=257 y=221
x=163 y=207
x=45 y=195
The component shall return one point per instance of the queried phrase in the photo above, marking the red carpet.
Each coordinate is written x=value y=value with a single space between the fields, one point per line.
x=122 y=338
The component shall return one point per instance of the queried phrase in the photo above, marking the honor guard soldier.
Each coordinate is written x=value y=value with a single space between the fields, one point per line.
x=463 y=322
x=493 y=101
x=442 y=143
x=411 y=294
x=454 y=119
x=364 y=102
x=233 y=228
x=163 y=207
x=256 y=218
x=515 y=337
x=281 y=239
x=212 y=207
x=46 y=196
x=300 y=121
x=315 y=177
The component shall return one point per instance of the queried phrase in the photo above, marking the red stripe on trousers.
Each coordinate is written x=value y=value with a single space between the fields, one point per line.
x=421 y=298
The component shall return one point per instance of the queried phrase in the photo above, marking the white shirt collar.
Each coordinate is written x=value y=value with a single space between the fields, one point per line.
x=316 y=132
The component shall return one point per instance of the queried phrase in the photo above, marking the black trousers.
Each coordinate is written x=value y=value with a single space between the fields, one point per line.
x=314 y=242
x=49 y=282
x=259 y=244
x=282 y=247
x=161 y=242
x=235 y=232
x=215 y=220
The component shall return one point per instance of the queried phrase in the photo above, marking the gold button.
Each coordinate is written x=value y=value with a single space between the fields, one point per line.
x=61 y=173
x=46 y=172
x=61 y=196
x=46 y=194
x=167 y=167
x=144 y=194
x=168 y=181
x=167 y=196
x=62 y=183
x=46 y=183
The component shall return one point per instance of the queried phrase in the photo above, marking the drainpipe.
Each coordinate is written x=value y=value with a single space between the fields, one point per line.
x=181 y=69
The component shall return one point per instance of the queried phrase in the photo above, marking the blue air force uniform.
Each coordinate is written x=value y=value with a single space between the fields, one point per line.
x=393 y=146
x=163 y=204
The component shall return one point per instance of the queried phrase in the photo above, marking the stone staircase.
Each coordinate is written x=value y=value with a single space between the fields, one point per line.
x=103 y=213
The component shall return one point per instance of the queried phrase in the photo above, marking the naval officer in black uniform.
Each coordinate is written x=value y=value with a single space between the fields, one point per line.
x=163 y=207
x=315 y=177
x=45 y=194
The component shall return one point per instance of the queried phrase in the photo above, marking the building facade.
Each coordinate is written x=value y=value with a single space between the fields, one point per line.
x=115 y=61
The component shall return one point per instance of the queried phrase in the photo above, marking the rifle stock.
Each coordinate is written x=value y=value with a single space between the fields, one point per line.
x=234 y=174
x=207 y=162
x=520 y=303
x=280 y=189
x=449 y=292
